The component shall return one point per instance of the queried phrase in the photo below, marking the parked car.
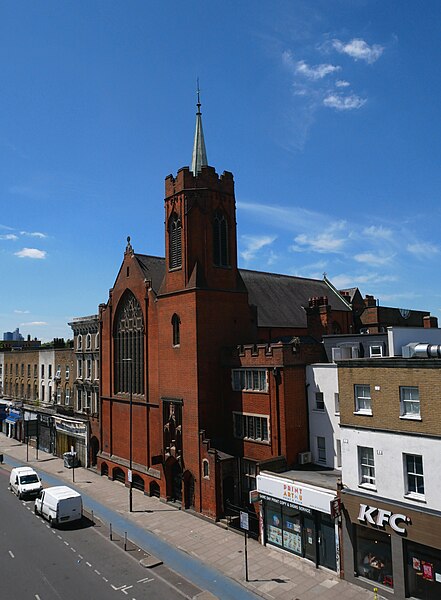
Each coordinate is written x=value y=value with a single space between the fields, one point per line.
x=59 y=504
x=24 y=481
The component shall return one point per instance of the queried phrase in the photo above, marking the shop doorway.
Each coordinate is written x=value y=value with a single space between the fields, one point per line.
x=176 y=476
x=309 y=539
x=327 y=550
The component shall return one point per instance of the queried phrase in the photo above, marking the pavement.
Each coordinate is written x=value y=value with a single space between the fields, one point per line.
x=207 y=554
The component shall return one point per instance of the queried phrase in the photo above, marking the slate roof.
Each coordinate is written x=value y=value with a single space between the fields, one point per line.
x=279 y=298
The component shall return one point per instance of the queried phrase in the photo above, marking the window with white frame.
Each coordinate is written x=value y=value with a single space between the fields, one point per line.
x=80 y=342
x=376 y=351
x=88 y=341
x=97 y=369
x=366 y=466
x=337 y=403
x=363 y=403
x=67 y=372
x=414 y=476
x=319 y=401
x=79 y=400
x=95 y=403
x=249 y=472
x=250 y=380
x=79 y=368
x=321 y=449
x=251 y=427
x=87 y=400
x=338 y=453
x=58 y=395
x=206 y=468
x=409 y=401
x=89 y=369
x=97 y=341
x=58 y=372
x=67 y=397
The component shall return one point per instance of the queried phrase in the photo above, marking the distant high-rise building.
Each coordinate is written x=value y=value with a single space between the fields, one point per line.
x=13 y=336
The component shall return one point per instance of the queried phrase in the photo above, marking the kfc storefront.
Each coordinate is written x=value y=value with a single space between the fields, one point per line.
x=299 y=518
x=395 y=547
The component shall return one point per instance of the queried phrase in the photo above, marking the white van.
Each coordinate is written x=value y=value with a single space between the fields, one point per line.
x=59 y=504
x=24 y=481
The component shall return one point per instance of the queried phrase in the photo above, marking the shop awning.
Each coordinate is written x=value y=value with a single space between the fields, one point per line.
x=13 y=418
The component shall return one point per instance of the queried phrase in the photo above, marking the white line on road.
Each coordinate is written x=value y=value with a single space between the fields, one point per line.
x=118 y=588
x=88 y=564
x=125 y=588
x=37 y=597
x=12 y=554
x=79 y=556
x=106 y=580
x=67 y=543
x=97 y=572
x=145 y=580
x=59 y=537
x=73 y=549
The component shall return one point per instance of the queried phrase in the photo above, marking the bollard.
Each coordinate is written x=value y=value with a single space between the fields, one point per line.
x=375 y=594
x=92 y=518
x=125 y=541
x=110 y=531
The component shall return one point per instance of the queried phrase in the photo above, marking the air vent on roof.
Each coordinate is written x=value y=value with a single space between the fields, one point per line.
x=418 y=350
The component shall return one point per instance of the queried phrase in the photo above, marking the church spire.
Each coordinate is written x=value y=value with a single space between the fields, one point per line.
x=199 y=159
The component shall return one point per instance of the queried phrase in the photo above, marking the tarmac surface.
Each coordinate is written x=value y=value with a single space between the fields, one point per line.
x=210 y=556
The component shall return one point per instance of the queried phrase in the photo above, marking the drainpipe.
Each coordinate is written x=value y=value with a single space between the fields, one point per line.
x=279 y=436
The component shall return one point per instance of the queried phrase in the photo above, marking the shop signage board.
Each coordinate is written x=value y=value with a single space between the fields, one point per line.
x=289 y=492
x=380 y=517
x=244 y=522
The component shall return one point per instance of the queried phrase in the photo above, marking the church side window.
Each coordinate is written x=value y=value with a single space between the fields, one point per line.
x=129 y=350
x=175 y=242
x=220 y=240
x=176 y=322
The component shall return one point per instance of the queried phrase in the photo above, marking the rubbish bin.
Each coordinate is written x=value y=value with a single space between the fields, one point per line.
x=70 y=460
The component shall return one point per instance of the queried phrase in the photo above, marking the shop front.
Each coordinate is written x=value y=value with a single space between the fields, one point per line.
x=296 y=517
x=72 y=434
x=13 y=424
x=396 y=547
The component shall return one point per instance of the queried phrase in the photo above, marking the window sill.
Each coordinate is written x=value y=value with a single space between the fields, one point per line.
x=368 y=486
x=244 y=439
x=365 y=413
x=318 y=410
x=416 y=498
x=411 y=417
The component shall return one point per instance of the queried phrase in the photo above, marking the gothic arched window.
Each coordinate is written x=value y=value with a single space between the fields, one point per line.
x=129 y=346
x=175 y=242
x=176 y=330
x=220 y=240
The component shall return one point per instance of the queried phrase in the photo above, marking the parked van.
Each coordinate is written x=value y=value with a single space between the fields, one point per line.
x=24 y=481
x=59 y=504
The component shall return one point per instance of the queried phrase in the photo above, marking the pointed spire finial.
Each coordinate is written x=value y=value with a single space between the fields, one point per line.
x=129 y=248
x=199 y=158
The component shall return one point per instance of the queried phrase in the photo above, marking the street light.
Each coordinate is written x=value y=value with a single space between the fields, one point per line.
x=129 y=360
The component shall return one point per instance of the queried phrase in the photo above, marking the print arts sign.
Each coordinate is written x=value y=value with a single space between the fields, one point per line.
x=380 y=517
x=294 y=493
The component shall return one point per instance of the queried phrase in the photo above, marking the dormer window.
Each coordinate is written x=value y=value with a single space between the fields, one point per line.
x=220 y=240
x=175 y=242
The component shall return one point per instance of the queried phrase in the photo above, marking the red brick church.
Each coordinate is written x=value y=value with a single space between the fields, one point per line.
x=205 y=362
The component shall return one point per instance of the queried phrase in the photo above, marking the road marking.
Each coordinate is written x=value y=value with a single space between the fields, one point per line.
x=125 y=588
x=12 y=554
x=79 y=556
x=67 y=543
x=106 y=580
x=118 y=588
x=97 y=572
x=59 y=537
x=73 y=549
x=88 y=564
x=37 y=597
x=145 y=580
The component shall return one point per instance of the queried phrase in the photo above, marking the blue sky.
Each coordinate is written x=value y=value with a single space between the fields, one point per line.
x=327 y=113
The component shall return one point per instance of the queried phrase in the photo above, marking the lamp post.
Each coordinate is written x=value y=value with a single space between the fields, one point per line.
x=129 y=360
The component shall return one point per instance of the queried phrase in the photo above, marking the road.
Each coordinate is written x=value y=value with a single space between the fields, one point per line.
x=66 y=563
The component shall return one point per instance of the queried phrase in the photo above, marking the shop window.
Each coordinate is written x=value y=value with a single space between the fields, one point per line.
x=414 y=476
x=250 y=380
x=409 y=402
x=319 y=401
x=363 y=403
x=321 y=449
x=374 y=555
x=366 y=466
x=423 y=570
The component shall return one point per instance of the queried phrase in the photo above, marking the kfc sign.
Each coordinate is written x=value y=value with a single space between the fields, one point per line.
x=380 y=517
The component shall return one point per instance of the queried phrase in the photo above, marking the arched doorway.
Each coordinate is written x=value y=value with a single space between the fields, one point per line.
x=138 y=483
x=105 y=469
x=94 y=449
x=188 y=490
x=154 y=489
x=118 y=475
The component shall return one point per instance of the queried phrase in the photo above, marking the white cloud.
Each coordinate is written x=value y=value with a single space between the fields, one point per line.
x=345 y=280
x=323 y=242
x=340 y=83
x=376 y=232
x=36 y=234
x=31 y=253
x=422 y=249
x=33 y=323
x=372 y=259
x=21 y=312
x=8 y=236
x=253 y=244
x=359 y=50
x=344 y=102
x=315 y=73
